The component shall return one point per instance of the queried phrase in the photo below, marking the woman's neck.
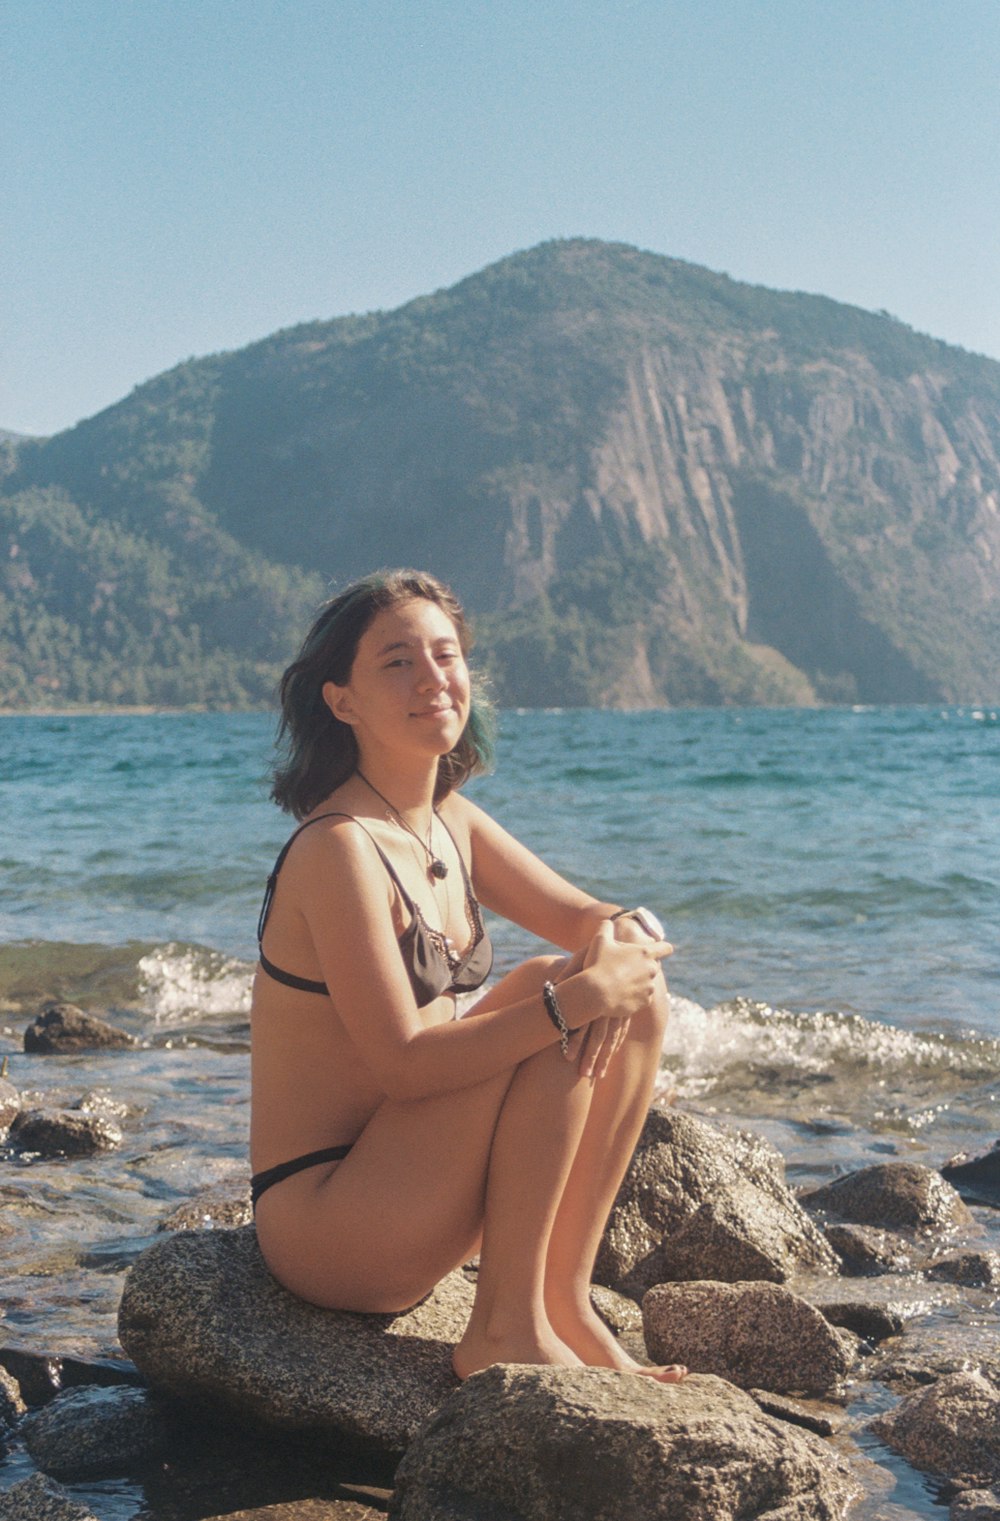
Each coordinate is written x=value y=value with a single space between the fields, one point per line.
x=409 y=791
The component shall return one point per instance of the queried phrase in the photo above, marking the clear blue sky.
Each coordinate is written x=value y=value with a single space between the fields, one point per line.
x=184 y=176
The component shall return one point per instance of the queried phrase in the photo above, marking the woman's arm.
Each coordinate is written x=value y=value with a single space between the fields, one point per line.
x=341 y=889
x=516 y=884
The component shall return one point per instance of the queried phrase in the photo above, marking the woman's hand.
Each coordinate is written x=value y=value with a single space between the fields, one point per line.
x=593 y=1046
x=622 y=975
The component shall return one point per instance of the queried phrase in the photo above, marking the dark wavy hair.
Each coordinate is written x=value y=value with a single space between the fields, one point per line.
x=316 y=751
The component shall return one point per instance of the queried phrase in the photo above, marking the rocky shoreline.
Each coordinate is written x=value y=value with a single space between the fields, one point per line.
x=802 y=1317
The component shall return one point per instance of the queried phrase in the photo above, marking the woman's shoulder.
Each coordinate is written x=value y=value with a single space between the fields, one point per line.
x=333 y=836
x=461 y=814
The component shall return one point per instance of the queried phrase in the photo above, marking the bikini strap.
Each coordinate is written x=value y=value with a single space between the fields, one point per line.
x=272 y=880
x=469 y=889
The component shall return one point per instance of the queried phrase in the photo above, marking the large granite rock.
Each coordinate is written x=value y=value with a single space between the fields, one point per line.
x=893 y=1196
x=519 y=1443
x=699 y=1202
x=203 y=1319
x=951 y=1428
x=757 y=1335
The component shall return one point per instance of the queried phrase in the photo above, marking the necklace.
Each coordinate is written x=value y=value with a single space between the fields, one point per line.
x=436 y=867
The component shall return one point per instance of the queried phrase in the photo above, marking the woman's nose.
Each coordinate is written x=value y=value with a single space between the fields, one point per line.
x=431 y=677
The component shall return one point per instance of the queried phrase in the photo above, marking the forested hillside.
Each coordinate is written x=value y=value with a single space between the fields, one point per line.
x=651 y=483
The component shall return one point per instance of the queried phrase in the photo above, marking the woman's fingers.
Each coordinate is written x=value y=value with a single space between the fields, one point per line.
x=590 y=1056
x=616 y=1039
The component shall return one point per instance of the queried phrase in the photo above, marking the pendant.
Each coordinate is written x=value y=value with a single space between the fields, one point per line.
x=438 y=869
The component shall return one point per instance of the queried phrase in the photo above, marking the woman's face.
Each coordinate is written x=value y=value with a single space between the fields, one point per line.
x=409 y=684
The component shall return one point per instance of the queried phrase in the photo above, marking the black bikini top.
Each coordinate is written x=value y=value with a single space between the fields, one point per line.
x=432 y=966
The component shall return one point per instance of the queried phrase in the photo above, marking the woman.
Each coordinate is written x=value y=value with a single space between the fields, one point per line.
x=392 y=1139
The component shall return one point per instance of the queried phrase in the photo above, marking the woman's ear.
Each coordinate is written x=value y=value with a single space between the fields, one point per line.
x=338 y=700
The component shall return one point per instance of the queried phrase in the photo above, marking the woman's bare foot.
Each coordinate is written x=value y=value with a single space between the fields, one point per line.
x=595 y=1345
x=525 y=1344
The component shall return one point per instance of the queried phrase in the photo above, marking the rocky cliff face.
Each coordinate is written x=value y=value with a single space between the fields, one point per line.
x=656 y=485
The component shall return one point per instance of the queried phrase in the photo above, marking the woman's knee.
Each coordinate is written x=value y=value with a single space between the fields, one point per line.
x=651 y=1022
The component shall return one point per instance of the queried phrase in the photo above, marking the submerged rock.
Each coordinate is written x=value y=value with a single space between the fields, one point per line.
x=88 y=1432
x=893 y=1195
x=62 y=1028
x=681 y=1167
x=757 y=1335
x=203 y=1320
x=951 y=1428
x=519 y=1443
x=64 y=1133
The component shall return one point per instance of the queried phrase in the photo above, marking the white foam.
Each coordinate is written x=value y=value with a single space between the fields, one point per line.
x=701 y=1045
x=179 y=983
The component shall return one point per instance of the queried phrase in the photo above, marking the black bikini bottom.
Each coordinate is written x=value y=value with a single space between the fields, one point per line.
x=271 y=1175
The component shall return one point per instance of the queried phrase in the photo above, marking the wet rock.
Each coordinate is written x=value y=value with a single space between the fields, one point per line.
x=40 y=1499
x=36 y=1373
x=63 y=1133
x=681 y=1164
x=905 y=1370
x=41 y=1375
x=10 y=1104
x=583 y=1444
x=897 y=1195
x=12 y=1405
x=221 y=1205
x=977 y=1177
x=874 y=1322
x=864 y=1249
x=84 y=1433
x=975 y=1505
x=951 y=1428
x=784 y=1408
x=973 y=1270
x=103 y=1104
x=62 y=1028
x=203 y=1319
x=757 y=1335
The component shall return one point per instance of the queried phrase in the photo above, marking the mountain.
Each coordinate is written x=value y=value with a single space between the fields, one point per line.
x=651 y=483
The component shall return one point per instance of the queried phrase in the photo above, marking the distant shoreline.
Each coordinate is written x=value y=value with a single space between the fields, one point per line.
x=107 y=710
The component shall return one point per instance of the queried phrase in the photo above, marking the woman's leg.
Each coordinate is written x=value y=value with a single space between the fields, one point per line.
x=537 y=1135
x=379 y=1229
x=618 y=1109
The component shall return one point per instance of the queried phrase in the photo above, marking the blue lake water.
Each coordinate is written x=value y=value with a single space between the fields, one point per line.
x=830 y=880
x=830 y=859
